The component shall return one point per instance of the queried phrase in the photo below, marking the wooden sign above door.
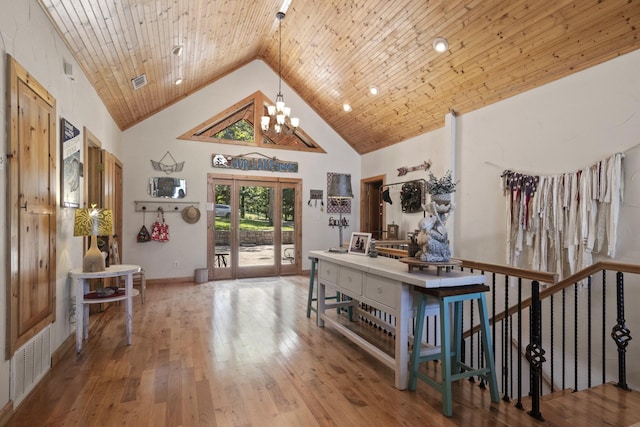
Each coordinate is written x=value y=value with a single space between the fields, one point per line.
x=244 y=162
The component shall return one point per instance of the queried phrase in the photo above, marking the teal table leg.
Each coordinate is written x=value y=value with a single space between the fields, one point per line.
x=488 y=349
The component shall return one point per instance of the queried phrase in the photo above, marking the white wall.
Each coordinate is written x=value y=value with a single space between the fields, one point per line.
x=559 y=127
x=432 y=146
x=27 y=35
x=152 y=138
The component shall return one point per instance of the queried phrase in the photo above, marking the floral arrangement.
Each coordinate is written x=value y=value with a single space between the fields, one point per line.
x=444 y=185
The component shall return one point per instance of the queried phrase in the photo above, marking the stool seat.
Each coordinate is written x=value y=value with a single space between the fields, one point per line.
x=450 y=349
x=452 y=290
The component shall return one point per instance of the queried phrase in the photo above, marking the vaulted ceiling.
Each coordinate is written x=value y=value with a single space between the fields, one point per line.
x=334 y=50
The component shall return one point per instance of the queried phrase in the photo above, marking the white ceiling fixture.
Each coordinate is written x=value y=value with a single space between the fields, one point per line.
x=347 y=108
x=440 y=45
x=374 y=90
x=178 y=81
x=279 y=118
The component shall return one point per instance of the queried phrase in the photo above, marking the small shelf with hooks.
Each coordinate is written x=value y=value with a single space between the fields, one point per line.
x=154 y=206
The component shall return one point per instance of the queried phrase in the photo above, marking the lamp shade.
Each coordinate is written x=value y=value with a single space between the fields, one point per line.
x=93 y=222
x=340 y=187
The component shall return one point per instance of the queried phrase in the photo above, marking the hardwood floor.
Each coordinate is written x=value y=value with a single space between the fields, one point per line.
x=239 y=353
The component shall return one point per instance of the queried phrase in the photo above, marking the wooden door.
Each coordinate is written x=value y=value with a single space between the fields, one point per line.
x=117 y=202
x=31 y=200
x=104 y=184
x=254 y=226
x=371 y=207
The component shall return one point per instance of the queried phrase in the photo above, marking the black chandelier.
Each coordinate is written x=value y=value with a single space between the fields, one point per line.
x=279 y=119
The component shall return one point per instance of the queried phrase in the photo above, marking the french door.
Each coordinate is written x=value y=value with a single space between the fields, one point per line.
x=254 y=226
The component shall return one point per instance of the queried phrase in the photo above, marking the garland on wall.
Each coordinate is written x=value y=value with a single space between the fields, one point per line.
x=563 y=219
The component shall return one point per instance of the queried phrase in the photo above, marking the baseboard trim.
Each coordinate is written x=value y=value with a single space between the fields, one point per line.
x=61 y=351
x=171 y=280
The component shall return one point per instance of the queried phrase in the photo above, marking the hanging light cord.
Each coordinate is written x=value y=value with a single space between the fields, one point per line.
x=280 y=16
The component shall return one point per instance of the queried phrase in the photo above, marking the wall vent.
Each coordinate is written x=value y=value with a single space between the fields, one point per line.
x=139 y=81
x=29 y=364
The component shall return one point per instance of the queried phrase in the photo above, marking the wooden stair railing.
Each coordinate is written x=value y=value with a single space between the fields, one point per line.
x=534 y=351
x=511 y=318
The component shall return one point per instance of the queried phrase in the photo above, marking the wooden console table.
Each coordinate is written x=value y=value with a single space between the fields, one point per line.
x=385 y=284
x=84 y=297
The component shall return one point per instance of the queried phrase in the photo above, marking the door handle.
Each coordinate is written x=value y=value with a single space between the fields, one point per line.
x=24 y=207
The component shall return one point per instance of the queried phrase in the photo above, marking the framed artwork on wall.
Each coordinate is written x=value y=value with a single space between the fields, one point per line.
x=71 y=165
x=359 y=243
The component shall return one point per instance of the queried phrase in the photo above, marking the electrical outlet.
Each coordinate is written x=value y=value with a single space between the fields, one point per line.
x=176 y=264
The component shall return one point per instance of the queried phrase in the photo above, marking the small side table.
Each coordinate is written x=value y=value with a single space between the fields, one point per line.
x=82 y=302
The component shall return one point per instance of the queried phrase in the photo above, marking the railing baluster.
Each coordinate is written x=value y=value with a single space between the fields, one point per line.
x=493 y=316
x=505 y=344
x=564 y=338
x=519 y=402
x=510 y=336
x=535 y=353
x=575 y=337
x=621 y=334
x=552 y=336
x=589 y=332
x=604 y=324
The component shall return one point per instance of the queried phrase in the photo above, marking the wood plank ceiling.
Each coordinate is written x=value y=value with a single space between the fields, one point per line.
x=334 y=50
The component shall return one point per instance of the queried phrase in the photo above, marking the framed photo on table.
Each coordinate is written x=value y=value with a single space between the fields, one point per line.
x=359 y=243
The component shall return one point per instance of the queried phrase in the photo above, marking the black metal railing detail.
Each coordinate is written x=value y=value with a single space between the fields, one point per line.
x=604 y=324
x=505 y=345
x=589 y=328
x=535 y=352
x=564 y=337
x=552 y=337
x=575 y=336
x=519 y=396
x=621 y=334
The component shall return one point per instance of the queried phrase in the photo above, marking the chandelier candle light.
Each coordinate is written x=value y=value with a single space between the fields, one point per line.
x=279 y=115
x=340 y=189
x=93 y=222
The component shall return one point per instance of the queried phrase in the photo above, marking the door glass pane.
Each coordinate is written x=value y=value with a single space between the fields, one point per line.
x=256 y=226
x=288 y=226
x=222 y=226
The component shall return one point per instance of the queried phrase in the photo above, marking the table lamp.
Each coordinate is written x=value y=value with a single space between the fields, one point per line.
x=93 y=222
x=340 y=188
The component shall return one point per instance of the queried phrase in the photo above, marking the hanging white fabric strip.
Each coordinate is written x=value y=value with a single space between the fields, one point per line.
x=563 y=219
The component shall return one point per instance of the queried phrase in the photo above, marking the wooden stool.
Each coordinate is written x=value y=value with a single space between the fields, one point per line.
x=310 y=298
x=449 y=355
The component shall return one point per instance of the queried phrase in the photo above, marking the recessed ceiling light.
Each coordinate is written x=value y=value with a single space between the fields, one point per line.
x=346 y=107
x=373 y=90
x=178 y=81
x=440 y=45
